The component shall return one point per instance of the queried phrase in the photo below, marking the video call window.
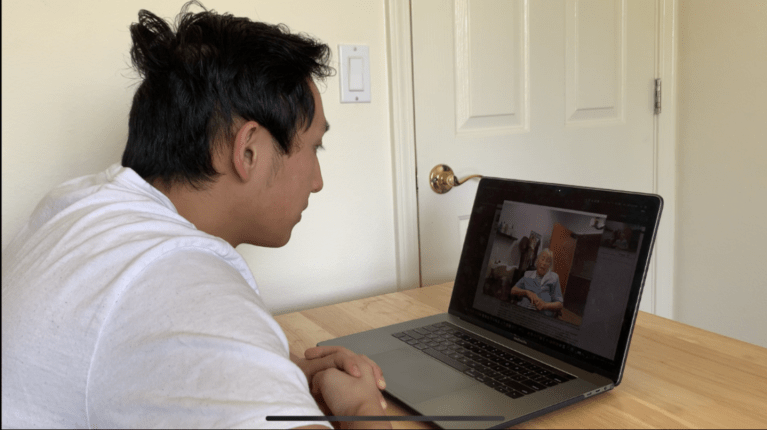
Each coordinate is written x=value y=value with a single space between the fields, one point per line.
x=581 y=261
x=550 y=252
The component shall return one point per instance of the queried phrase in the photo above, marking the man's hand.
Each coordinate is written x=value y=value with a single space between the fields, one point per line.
x=321 y=358
x=346 y=395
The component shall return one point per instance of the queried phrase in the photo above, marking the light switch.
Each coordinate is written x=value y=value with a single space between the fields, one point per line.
x=356 y=82
x=354 y=62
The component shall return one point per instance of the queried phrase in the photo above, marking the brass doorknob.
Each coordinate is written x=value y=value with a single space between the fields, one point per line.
x=443 y=180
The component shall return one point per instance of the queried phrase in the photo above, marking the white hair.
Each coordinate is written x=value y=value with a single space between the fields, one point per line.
x=551 y=254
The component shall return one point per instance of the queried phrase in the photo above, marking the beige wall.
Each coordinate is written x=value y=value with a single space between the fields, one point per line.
x=67 y=87
x=722 y=174
x=66 y=92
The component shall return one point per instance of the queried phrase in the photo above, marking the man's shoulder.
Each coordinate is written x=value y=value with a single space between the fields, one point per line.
x=112 y=221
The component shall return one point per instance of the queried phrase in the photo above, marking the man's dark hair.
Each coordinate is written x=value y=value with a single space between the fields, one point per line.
x=203 y=78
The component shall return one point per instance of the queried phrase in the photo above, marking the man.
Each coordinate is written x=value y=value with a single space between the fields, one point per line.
x=124 y=301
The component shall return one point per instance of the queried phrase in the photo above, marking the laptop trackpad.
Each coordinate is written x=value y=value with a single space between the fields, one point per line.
x=414 y=377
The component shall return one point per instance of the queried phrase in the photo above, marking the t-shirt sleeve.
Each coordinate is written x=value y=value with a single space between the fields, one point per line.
x=190 y=344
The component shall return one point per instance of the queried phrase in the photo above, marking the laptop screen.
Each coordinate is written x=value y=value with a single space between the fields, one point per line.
x=558 y=268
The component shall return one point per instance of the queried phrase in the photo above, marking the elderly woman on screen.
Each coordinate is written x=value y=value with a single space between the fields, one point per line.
x=539 y=289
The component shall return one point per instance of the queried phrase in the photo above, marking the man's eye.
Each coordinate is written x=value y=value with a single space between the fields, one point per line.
x=318 y=147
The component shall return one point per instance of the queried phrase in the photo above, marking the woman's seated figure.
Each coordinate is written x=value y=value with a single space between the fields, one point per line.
x=539 y=289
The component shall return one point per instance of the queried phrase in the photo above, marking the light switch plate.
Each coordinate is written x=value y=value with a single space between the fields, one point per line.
x=354 y=69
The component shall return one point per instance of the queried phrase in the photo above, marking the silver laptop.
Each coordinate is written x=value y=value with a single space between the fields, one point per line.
x=541 y=315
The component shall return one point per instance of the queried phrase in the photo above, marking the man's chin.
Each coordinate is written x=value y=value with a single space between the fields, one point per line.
x=272 y=242
x=280 y=242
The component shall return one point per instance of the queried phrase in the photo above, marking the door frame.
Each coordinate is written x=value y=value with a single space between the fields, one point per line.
x=402 y=121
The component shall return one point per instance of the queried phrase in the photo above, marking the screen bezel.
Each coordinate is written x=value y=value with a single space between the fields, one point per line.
x=634 y=208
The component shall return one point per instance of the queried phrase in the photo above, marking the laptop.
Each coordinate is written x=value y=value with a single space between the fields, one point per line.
x=544 y=303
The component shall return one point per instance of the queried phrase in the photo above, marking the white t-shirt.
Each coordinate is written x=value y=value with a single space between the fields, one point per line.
x=118 y=312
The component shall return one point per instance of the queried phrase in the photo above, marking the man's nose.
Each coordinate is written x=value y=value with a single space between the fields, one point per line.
x=318 y=183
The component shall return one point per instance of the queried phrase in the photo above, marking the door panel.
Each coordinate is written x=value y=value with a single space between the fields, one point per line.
x=490 y=77
x=551 y=91
x=595 y=70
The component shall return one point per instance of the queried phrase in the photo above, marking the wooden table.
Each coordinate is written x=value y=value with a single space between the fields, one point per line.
x=676 y=375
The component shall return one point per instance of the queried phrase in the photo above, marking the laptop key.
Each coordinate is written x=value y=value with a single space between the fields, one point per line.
x=495 y=375
x=483 y=361
x=473 y=373
x=455 y=364
x=519 y=387
x=484 y=370
x=532 y=384
x=414 y=334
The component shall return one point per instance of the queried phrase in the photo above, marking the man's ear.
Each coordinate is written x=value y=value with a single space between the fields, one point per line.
x=245 y=149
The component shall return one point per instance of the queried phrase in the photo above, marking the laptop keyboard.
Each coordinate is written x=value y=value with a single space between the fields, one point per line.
x=502 y=369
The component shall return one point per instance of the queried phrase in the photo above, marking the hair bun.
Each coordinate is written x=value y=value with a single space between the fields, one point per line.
x=153 y=41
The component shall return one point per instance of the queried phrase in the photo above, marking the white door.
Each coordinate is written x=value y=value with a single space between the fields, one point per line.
x=551 y=91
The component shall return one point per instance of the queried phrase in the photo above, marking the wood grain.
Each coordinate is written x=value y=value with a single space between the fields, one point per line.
x=677 y=376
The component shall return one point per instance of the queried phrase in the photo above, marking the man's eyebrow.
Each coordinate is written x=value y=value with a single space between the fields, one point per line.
x=327 y=126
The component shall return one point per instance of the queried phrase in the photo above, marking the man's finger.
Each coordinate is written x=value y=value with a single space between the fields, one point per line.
x=348 y=364
x=316 y=365
x=321 y=351
x=377 y=373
